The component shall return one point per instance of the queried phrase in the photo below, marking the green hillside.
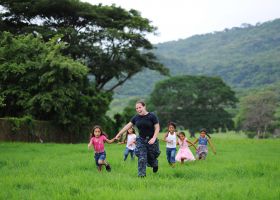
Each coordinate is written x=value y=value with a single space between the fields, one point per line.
x=245 y=57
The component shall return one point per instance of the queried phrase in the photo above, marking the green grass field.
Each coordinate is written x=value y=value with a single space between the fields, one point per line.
x=242 y=169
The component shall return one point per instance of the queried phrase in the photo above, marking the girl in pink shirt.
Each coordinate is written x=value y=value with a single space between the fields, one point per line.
x=97 y=141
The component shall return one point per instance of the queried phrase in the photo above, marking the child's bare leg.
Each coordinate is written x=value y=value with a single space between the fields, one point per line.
x=100 y=165
x=101 y=162
x=182 y=160
x=104 y=162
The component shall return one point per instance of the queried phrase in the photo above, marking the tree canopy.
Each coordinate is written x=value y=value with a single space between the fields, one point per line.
x=259 y=112
x=109 y=40
x=194 y=102
x=37 y=80
x=61 y=60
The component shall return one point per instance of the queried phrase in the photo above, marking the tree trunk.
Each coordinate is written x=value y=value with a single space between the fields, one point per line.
x=264 y=132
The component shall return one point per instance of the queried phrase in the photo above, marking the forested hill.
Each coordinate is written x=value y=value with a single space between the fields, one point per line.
x=245 y=57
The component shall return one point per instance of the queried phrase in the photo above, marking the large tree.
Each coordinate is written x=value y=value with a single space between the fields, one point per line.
x=37 y=80
x=194 y=102
x=109 y=40
x=257 y=112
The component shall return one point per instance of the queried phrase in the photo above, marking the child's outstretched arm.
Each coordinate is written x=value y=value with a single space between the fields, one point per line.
x=110 y=141
x=212 y=146
x=124 y=129
x=89 y=145
x=196 y=140
x=122 y=142
x=192 y=144
x=164 y=137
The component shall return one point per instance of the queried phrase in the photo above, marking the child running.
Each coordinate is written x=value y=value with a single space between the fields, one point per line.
x=184 y=153
x=130 y=141
x=170 y=139
x=97 y=141
x=202 y=149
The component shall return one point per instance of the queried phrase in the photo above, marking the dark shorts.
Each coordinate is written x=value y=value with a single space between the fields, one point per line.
x=99 y=156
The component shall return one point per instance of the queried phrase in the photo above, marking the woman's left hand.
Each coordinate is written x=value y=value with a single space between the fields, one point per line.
x=152 y=141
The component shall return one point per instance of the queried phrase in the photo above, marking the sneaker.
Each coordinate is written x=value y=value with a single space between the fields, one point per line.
x=108 y=168
x=142 y=176
x=155 y=169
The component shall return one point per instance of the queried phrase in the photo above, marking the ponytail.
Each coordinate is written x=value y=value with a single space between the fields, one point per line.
x=206 y=133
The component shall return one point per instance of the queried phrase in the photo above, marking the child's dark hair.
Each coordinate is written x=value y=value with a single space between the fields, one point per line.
x=128 y=133
x=172 y=124
x=99 y=127
x=205 y=131
x=182 y=133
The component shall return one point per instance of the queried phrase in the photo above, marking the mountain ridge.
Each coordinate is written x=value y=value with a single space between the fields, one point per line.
x=244 y=57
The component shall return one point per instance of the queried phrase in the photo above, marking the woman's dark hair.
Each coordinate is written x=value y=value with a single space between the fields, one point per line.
x=141 y=102
x=172 y=124
x=99 y=127
x=205 y=131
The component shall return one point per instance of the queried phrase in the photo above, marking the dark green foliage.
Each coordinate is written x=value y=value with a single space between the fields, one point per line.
x=123 y=118
x=17 y=123
x=194 y=102
x=129 y=111
x=259 y=112
x=118 y=122
x=36 y=79
x=109 y=40
x=107 y=44
x=2 y=100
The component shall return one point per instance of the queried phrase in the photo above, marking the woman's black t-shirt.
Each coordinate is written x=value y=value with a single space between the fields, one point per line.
x=145 y=124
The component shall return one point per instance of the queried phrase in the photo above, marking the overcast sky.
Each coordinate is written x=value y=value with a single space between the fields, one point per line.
x=179 y=19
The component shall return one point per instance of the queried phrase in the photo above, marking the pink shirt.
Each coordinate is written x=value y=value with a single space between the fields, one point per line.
x=98 y=143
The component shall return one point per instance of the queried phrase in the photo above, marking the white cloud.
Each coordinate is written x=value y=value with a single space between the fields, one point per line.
x=177 y=19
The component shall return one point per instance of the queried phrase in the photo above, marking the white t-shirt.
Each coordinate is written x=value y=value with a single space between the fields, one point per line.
x=172 y=138
x=130 y=139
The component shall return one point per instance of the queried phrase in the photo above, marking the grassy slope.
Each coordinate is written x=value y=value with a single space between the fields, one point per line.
x=242 y=169
x=243 y=57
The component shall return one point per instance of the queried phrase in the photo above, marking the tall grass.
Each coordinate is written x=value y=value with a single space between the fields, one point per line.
x=242 y=169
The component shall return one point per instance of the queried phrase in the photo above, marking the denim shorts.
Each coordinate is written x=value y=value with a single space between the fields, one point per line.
x=99 y=156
